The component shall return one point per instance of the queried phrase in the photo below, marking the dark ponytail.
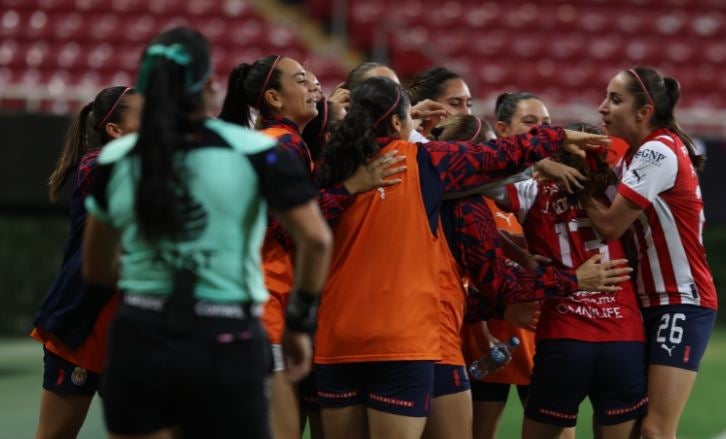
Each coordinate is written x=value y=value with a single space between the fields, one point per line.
x=673 y=90
x=373 y=104
x=74 y=147
x=235 y=108
x=663 y=92
x=88 y=132
x=246 y=87
x=175 y=68
x=429 y=84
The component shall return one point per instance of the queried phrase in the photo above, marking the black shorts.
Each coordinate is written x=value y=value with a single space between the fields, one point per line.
x=65 y=378
x=212 y=382
x=612 y=374
x=450 y=379
x=482 y=391
x=678 y=334
x=398 y=387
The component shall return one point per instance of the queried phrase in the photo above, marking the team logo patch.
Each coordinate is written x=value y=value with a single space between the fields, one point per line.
x=79 y=376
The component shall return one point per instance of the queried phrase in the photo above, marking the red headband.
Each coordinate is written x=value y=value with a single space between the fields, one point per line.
x=267 y=79
x=113 y=107
x=478 y=129
x=393 y=107
x=642 y=85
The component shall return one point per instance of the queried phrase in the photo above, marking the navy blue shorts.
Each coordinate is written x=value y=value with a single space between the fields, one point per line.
x=611 y=374
x=65 y=378
x=678 y=334
x=450 y=379
x=398 y=387
x=483 y=391
x=308 y=393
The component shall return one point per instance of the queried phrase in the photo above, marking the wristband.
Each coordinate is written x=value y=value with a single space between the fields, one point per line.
x=302 y=312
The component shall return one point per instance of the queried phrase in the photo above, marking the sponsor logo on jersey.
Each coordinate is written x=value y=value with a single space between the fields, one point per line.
x=650 y=156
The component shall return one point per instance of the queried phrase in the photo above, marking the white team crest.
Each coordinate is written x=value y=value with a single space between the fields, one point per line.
x=79 y=376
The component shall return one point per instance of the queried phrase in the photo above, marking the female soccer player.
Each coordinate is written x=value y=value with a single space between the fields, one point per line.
x=73 y=320
x=515 y=113
x=426 y=109
x=278 y=88
x=588 y=344
x=441 y=85
x=375 y=375
x=319 y=131
x=659 y=198
x=471 y=232
x=185 y=201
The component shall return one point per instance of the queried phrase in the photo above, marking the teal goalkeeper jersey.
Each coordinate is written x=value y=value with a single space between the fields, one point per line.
x=231 y=174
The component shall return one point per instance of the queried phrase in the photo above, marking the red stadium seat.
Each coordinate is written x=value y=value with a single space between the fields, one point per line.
x=13 y=22
x=247 y=32
x=69 y=26
x=68 y=55
x=12 y=54
x=99 y=56
x=214 y=28
x=86 y=6
x=140 y=28
x=105 y=27
x=37 y=55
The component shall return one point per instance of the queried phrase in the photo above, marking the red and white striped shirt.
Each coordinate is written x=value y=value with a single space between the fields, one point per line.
x=660 y=179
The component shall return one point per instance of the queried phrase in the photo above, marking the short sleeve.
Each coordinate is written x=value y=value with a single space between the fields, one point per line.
x=283 y=181
x=522 y=196
x=653 y=170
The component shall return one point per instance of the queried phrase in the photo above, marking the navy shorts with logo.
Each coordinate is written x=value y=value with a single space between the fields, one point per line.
x=65 y=378
x=450 y=379
x=611 y=374
x=678 y=334
x=398 y=387
x=482 y=391
x=308 y=391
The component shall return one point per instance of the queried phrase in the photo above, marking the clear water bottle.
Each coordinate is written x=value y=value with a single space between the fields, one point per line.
x=498 y=355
